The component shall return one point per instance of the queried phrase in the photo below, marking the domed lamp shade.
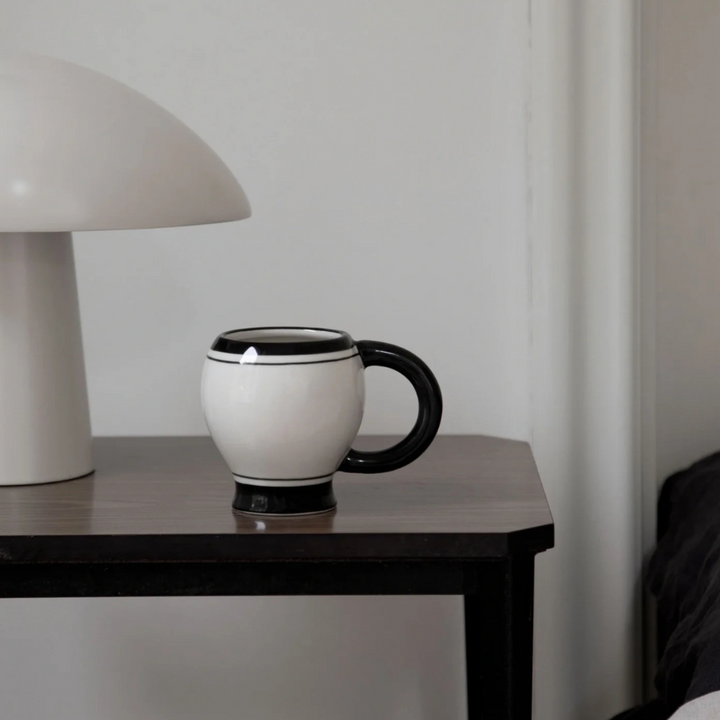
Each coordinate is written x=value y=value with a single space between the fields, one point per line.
x=78 y=151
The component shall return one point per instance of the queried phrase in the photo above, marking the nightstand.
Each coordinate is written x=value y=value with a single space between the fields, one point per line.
x=155 y=519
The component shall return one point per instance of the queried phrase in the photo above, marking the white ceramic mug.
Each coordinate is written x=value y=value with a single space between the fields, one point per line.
x=284 y=406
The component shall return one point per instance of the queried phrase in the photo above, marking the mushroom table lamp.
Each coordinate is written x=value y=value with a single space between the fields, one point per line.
x=78 y=151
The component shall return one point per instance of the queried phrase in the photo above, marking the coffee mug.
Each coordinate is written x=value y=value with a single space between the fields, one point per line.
x=284 y=406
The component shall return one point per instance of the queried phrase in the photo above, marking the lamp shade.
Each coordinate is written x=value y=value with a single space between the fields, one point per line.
x=80 y=151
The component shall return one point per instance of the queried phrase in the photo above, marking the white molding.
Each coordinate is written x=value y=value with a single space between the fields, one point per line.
x=586 y=352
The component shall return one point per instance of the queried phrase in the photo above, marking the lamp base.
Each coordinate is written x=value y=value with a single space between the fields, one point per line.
x=44 y=416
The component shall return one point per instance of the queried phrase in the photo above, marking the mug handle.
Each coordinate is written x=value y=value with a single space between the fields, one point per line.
x=429 y=410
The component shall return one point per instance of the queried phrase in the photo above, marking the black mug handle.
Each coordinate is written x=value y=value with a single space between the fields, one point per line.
x=429 y=410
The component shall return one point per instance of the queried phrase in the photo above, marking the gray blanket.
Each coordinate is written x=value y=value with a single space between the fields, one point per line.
x=684 y=577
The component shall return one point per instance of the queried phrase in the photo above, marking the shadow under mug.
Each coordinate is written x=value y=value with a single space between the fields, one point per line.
x=284 y=406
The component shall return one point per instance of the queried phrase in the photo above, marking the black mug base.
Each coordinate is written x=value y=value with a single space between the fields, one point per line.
x=279 y=500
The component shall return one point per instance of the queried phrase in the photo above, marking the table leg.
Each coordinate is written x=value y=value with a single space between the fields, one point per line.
x=499 y=640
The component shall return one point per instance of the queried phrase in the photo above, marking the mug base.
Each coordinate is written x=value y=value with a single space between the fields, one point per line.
x=283 y=500
x=250 y=513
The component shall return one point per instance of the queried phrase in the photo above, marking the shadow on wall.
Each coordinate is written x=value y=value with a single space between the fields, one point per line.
x=177 y=665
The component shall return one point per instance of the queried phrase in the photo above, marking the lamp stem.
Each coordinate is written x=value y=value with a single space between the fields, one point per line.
x=44 y=417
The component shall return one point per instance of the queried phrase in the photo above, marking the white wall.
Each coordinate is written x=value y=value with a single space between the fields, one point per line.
x=685 y=207
x=382 y=145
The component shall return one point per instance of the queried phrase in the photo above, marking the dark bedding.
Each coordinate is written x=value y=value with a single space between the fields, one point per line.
x=684 y=577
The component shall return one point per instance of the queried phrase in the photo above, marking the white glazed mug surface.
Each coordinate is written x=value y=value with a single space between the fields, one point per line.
x=284 y=406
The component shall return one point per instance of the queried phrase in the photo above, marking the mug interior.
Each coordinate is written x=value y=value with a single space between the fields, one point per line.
x=281 y=335
x=283 y=341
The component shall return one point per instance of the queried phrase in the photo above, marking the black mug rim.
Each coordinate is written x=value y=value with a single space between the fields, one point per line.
x=234 y=346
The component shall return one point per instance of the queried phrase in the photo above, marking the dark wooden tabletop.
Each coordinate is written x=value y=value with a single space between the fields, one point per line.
x=169 y=499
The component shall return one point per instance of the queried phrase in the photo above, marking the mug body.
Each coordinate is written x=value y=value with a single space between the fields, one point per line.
x=283 y=406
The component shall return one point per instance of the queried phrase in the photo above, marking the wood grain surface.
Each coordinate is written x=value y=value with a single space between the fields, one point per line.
x=169 y=499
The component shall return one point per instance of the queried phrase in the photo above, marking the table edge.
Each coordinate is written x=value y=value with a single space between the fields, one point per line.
x=229 y=547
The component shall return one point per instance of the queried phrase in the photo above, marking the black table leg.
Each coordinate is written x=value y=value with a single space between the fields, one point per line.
x=499 y=640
